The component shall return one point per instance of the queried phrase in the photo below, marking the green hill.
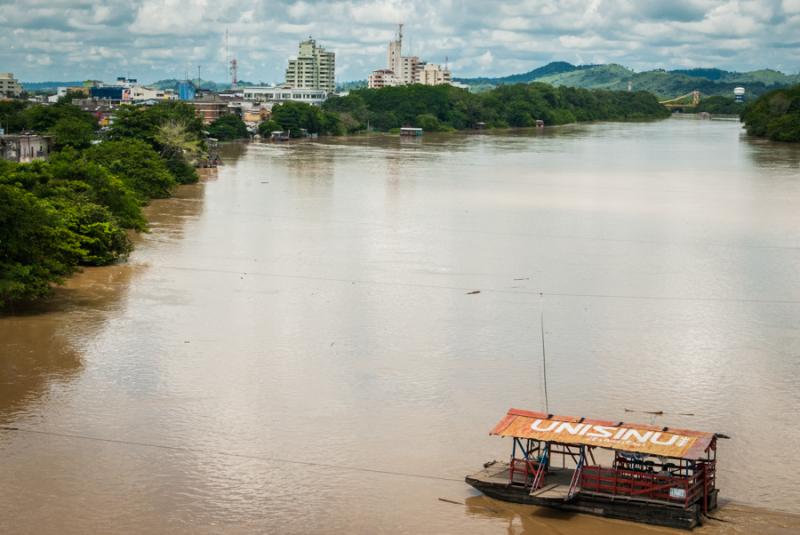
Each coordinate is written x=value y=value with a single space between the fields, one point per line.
x=556 y=67
x=664 y=84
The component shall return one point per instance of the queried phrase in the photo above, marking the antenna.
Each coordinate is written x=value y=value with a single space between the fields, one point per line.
x=544 y=367
x=231 y=63
x=234 y=73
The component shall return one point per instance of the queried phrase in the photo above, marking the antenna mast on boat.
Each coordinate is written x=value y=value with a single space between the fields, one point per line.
x=544 y=366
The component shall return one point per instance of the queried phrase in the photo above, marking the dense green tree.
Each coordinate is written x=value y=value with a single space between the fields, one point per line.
x=99 y=237
x=72 y=132
x=36 y=248
x=137 y=164
x=720 y=105
x=227 y=128
x=775 y=115
x=351 y=111
x=144 y=122
x=520 y=105
x=11 y=117
x=171 y=128
x=296 y=116
x=180 y=147
x=87 y=207
x=69 y=176
x=266 y=128
x=428 y=122
x=40 y=118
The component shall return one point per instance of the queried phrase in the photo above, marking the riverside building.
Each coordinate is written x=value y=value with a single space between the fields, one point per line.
x=313 y=68
x=271 y=95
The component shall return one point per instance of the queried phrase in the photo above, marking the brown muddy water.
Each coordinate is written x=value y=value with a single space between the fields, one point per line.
x=309 y=304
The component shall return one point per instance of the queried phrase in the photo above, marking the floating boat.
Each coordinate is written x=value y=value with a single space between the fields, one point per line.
x=410 y=132
x=644 y=473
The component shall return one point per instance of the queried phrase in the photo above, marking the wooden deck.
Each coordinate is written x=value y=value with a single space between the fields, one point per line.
x=555 y=485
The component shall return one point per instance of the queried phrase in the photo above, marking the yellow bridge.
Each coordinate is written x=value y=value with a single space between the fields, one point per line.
x=689 y=100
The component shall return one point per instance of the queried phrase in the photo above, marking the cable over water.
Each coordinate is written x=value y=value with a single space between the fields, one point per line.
x=187 y=449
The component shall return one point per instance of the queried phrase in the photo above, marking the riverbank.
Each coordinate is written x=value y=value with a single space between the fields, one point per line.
x=77 y=207
x=775 y=115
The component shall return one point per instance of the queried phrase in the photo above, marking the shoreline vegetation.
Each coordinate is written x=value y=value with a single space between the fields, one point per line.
x=445 y=108
x=77 y=208
x=775 y=115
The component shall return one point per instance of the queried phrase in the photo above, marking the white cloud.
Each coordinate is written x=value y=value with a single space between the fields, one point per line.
x=79 y=39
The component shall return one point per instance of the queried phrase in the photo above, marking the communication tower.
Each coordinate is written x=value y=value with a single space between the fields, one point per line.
x=234 y=73
x=231 y=63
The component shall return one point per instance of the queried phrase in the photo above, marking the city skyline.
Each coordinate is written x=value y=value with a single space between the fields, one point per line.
x=156 y=39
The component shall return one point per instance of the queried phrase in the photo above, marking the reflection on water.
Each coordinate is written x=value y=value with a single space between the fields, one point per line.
x=309 y=301
x=32 y=354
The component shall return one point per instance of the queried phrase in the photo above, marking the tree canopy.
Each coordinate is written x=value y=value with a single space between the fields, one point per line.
x=137 y=164
x=227 y=128
x=76 y=208
x=775 y=115
x=294 y=117
x=72 y=132
x=171 y=128
x=446 y=107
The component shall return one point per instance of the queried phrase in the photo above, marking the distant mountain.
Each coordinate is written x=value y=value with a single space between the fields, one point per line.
x=206 y=85
x=665 y=84
x=556 y=67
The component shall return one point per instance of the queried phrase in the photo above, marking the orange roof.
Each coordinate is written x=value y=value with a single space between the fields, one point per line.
x=622 y=436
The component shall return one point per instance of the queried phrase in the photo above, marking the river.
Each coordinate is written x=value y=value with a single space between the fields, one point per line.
x=296 y=347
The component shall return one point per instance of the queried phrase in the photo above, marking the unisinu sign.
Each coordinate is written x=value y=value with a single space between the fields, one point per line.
x=622 y=436
x=604 y=432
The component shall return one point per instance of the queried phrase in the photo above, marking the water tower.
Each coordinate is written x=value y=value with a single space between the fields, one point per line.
x=738 y=94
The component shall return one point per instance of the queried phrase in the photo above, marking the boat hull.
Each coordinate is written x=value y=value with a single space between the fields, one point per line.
x=620 y=508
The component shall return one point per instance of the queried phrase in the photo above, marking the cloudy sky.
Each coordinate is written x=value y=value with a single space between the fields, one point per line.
x=154 y=39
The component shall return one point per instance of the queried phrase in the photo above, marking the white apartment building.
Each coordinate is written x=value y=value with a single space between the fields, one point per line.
x=405 y=70
x=313 y=68
x=382 y=78
x=9 y=86
x=433 y=74
x=282 y=93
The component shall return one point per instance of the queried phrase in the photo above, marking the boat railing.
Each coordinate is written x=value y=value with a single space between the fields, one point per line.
x=574 y=484
x=537 y=479
x=526 y=467
x=677 y=490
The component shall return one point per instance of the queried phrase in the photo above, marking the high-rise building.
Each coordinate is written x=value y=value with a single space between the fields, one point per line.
x=313 y=68
x=405 y=70
x=9 y=86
